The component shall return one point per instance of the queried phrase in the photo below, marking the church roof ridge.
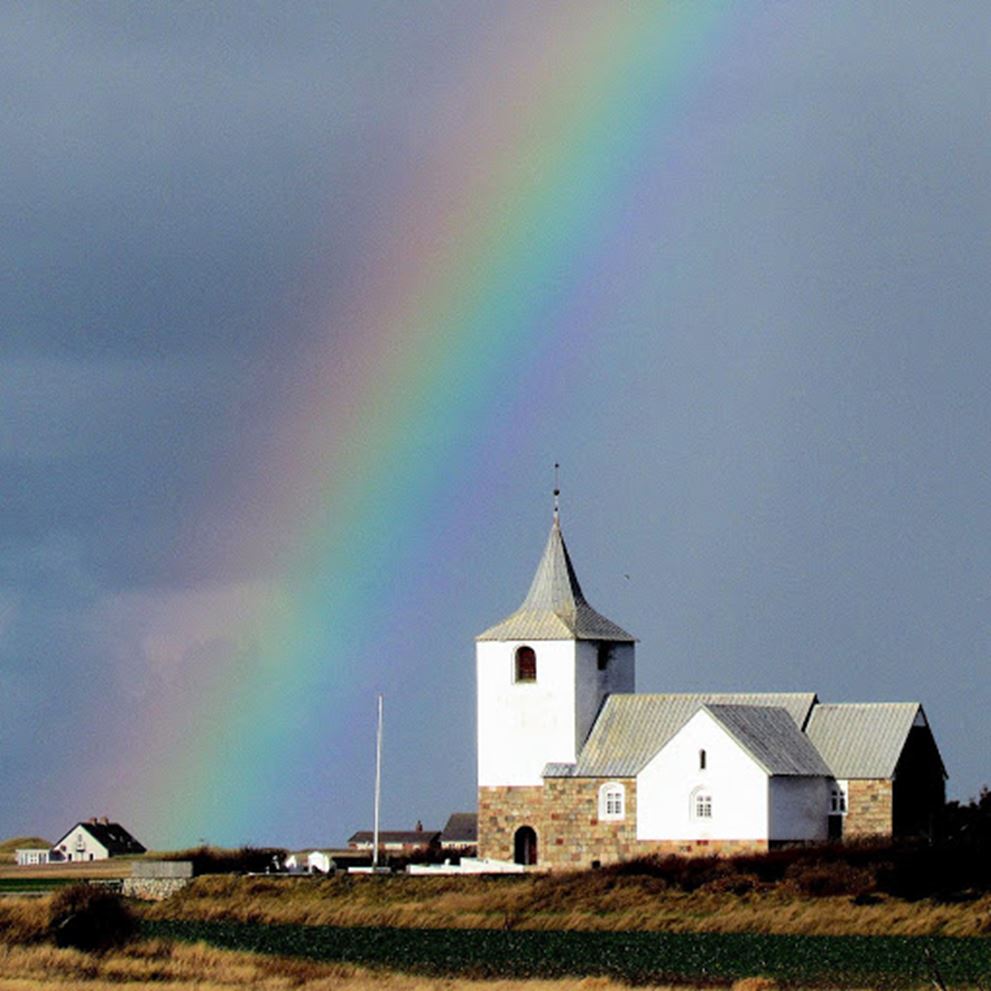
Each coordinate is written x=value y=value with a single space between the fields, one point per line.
x=555 y=608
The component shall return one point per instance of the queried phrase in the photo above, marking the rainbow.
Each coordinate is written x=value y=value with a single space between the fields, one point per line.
x=489 y=249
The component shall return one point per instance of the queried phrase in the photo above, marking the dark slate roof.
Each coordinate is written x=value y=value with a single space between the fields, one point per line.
x=771 y=737
x=462 y=827
x=863 y=739
x=409 y=837
x=555 y=608
x=112 y=835
x=632 y=728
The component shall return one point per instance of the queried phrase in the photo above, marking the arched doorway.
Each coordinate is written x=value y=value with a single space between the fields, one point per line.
x=525 y=846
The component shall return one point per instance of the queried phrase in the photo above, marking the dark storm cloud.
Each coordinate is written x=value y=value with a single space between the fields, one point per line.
x=174 y=177
x=775 y=419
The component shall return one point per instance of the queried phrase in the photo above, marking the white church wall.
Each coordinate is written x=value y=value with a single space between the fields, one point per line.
x=668 y=785
x=523 y=725
x=799 y=808
x=594 y=684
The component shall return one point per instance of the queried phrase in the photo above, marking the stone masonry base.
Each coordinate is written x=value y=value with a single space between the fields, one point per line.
x=564 y=815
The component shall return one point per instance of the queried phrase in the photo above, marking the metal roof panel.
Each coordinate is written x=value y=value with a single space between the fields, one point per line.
x=862 y=739
x=630 y=729
x=772 y=738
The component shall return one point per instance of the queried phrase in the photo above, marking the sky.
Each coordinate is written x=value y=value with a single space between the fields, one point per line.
x=302 y=302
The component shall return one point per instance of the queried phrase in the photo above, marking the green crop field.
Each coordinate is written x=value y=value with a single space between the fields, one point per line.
x=635 y=957
x=12 y=885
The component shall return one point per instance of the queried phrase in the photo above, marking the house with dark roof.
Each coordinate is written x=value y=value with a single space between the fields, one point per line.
x=576 y=769
x=395 y=840
x=95 y=839
x=460 y=831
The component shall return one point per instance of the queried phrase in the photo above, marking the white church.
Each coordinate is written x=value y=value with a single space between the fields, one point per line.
x=575 y=769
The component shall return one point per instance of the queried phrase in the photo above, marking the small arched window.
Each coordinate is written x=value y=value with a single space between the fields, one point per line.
x=701 y=760
x=701 y=807
x=526 y=664
x=612 y=801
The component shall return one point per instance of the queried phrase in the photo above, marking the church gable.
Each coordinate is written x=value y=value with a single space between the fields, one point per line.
x=719 y=777
x=631 y=729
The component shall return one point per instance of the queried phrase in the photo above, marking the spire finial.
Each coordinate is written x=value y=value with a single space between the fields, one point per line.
x=557 y=493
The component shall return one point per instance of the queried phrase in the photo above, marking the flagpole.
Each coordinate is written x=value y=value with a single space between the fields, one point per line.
x=378 y=784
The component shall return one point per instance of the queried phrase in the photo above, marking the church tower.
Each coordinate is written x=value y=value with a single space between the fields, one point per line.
x=543 y=674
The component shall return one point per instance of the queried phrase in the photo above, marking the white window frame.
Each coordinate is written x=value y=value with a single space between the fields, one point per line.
x=612 y=802
x=701 y=804
x=839 y=799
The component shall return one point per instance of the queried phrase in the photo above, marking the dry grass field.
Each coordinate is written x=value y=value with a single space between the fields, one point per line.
x=593 y=901
x=117 y=867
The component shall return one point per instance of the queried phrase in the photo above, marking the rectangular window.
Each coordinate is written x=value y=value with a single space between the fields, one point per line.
x=703 y=807
x=612 y=800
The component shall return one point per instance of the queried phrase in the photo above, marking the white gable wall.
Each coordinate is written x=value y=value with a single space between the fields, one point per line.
x=799 y=808
x=737 y=784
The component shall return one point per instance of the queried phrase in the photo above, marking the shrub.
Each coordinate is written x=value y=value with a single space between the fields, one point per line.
x=88 y=918
x=819 y=878
x=734 y=884
x=245 y=860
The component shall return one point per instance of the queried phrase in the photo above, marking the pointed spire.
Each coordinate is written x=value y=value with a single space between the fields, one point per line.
x=555 y=607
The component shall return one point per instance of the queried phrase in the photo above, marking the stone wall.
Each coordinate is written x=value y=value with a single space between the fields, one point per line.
x=564 y=815
x=501 y=811
x=574 y=836
x=869 y=808
x=153 y=888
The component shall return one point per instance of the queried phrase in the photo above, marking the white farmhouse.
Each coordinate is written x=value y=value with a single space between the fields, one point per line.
x=95 y=839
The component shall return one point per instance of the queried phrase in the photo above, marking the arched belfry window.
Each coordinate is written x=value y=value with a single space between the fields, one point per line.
x=612 y=801
x=526 y=664
x=603 y=655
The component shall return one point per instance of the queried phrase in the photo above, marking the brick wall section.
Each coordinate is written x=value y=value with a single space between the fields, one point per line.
x=869 y=808
x=564 y=815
